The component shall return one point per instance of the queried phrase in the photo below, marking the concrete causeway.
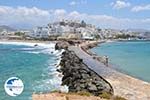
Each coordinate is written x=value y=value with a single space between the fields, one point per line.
x=123 y=85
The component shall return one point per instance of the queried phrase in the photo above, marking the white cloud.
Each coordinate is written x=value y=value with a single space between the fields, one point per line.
x=120 y=4
x=72 y=3
x=105 y=21
x=77 y=2
x=59 y=12
x=31 y=17
x=23 y=16
x=141 y=8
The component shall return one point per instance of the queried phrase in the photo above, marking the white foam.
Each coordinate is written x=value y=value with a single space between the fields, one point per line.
x=59 y=53
x=34 y=52
x=45 y=45
x=27 y=48
x=54 y=73
x=55 y=52
x=58 y=67
x=49 y=84
x=46 y=48
x=48 y=51
x=64 y=89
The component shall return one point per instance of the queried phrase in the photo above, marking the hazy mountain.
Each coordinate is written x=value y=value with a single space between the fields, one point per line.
x=8 y=28
x=139 y=30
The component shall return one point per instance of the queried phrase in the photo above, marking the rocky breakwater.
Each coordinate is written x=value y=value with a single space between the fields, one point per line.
x=87 y=46
x=78 y=77
x=61 y=45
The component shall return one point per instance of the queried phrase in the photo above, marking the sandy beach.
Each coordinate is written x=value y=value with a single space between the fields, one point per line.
x=63 y=96
x=123 y=85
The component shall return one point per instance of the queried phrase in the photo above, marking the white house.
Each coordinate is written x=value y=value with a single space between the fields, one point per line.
x=87 y=36
x=40 y=32
x=4 y=33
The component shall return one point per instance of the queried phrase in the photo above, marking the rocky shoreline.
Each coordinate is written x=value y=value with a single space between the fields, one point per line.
x=78 y=77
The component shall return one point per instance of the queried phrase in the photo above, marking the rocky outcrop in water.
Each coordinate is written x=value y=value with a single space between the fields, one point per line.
x=78 y=77
x=61 y=45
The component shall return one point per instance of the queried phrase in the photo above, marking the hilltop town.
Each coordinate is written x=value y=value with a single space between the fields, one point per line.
x=70 y=29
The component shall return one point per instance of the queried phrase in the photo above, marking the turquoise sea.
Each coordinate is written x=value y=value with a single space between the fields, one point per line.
x=35 y=66
x=130 y=57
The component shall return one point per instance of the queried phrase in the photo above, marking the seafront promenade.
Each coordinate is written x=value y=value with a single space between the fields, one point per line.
x=123 y=85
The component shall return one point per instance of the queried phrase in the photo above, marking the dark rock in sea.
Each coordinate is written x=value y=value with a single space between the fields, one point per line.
x=58 y=70
x=61 y=45
x=78 y=77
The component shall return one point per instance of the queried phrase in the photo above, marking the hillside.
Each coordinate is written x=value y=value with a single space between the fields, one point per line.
x=8 y=28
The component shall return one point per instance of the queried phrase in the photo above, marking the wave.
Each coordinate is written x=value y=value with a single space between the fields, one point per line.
x=57 y=76
x=54 y=80
x=34 y=52
x=50 y=84
x=45 y=48
x=59 y=52
x=28 y=49
x=45 y=45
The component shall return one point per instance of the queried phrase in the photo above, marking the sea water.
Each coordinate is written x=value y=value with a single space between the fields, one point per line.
x=130 y=57
x=34 y=65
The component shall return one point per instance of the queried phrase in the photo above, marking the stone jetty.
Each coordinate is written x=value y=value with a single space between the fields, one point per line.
x=78 y=77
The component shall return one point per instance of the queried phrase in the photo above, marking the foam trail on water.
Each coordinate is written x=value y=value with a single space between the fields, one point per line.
x=53 y=83
x=42 y=45
x=57 y=80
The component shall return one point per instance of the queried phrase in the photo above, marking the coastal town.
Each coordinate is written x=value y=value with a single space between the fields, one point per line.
x=71 y=29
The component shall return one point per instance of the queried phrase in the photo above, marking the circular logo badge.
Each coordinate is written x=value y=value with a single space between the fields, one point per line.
x=14 y=86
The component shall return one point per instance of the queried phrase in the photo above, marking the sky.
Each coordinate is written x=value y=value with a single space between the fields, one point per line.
x=115 y=14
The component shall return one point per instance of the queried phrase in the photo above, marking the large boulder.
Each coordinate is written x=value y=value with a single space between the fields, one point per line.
x=61 y=45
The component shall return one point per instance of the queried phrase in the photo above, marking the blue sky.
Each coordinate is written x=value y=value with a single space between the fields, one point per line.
x=120 y=14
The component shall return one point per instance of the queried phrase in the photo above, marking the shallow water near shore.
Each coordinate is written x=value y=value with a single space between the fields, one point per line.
x=35 y=66
x=130 y=57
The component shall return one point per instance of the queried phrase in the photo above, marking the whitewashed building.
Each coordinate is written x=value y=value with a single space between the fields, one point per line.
x=4 y=33
x=65 y=28
x=40 y=32
x=88 y=33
